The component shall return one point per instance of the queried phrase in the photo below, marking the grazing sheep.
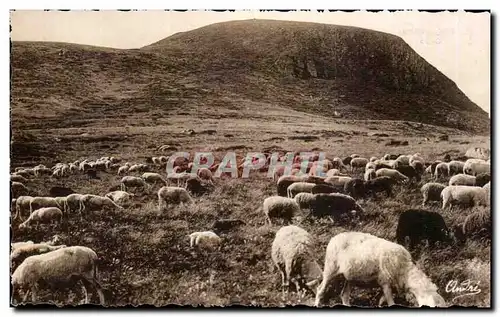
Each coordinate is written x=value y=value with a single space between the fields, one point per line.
x=173 y=195
x=385 y=164
x=394 y=174
x=370 y=174
x=18 y=179
x=418 y=224
x=74 y=202
x=21 y=251
x=475 y=225
x=379 y=184
x=119 y=196
x=337 y=180
x=462 y=179
x=347 y=161
x=285 y=181
x=41 y=202
x=292 y=253
x=205 y=239
x=280 y=207
x=464 y=195
x=299 y=187
x=133 y=182
x=482 y=179
x=58 y=191
x=334 y=205
x=304 y=199
x=409 y=171
x=338 y=164
x=431 y=192
x=442 y=170
x=419 y=168
x=57 y=268
x=95 y=202
x=358 y=162
x=122 y=170
x=18 y=189
x=220 y=225
x=22 y=205
x=455 y=167
x=43 y=215
x=371 y=165
x=364 y=258
x=355 y=188
x=153 y=178
x=474 y=167
x=195 y=187
x=433 y=166
x=402 y=160
x=327 y=189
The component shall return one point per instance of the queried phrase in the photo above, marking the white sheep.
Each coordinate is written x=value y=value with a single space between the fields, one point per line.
x=153 y=178
x=304 y=200
x=299 y=187
x=442 y=170
x=58 y=266
x=292 y=252
x=476 y=166
x=22 y=205
x=280 y=207
x=173 y=195
x=133 y=182
x=371 y=165
x=95 y=202
x=456 y=167
x=43 y=215
x=358 y=162
x=370 y=174
x=431 y=192
x=464 y=195
x=394 y=174
x=364 y=258
x=337 y=180
x=18 y=189
x=338 y=164
x=122 y=170
x=462 y=179
x=373 y=159
x=205 y=239
x=22 y=250
x=120 y=197
x=402 y=160
x=18 y=179
x=41 y=202
x=74 y=202
x=180 y=178
x=487 y=188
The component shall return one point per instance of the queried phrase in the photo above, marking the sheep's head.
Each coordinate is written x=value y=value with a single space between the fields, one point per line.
x=457 y=234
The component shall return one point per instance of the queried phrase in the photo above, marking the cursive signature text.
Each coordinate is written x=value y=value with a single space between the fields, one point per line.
x=464 y=288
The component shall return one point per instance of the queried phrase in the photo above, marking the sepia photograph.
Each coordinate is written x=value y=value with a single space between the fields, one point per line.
x=250 y=158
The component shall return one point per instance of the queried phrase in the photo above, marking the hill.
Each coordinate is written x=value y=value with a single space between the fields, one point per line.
x=307 y=67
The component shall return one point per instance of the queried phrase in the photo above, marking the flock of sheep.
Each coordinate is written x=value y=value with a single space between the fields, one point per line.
x=330 y=188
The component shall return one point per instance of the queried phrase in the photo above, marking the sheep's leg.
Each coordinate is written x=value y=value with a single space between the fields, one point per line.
x=386 y=288
x=33 y=294
x=381 y=301
x=346 y=293
x=25 y=297
x=288 y=273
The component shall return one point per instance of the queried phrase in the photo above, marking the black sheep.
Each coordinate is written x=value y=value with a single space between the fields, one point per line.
x=347 y=160
x=327 y=189
x=355 y=187
x=447 y=158
x=334 y=205
x=226 y=224
x=483 y=179
x=408 y=171
x=419 y=224
x=433 y=167
x=196 y=187
x=282 y=186
x=58 y=191
x=379 y=184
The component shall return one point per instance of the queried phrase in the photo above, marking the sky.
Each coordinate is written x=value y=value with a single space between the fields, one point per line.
x=456 y=43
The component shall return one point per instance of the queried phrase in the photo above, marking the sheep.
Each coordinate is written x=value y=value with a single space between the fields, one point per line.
x=417 y=157
x=337 y=180
x=119 y=196
x=394 y=174
x=474 y=167
x=462 y=179
x=304 y=199
x=370 y=174
x=418 y=224
x=205 y=239
x=463 y=195
x=205 y=174
x=339 y=164
x=58 y=191
x=74 y=202
x=226 y=224
x=475 y=225
x=362 y=257
x=16 y=245
x=18 y=179
x=181 y=178
x=482 y=179
x=22 y=204
x=195 y=187
x=385 y=164
x=285 y=181
x=355 y=187
x=174 y=195
x=95 y=202
x=373 y=159
x=133 y=182
x=333 y=172
x=455 y=167
x=419 y=168
x=58 y=267
x=379 y=184
x=299 y=187
x=138 y=168
x=122 y=170
x=40 y=202
x=431 y=192
x=18 y=189
x=487 y=188
x=280 y=207
x=442 y=170
x=334 y=205
x=43 y=215
x=358 y=162
x=153 y=178
x=327 y=189
x=293 y=255
x=21 y=251
x=402 y=160
x=409 y=171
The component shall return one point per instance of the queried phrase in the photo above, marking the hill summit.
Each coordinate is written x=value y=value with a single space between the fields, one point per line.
x=334 y=71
